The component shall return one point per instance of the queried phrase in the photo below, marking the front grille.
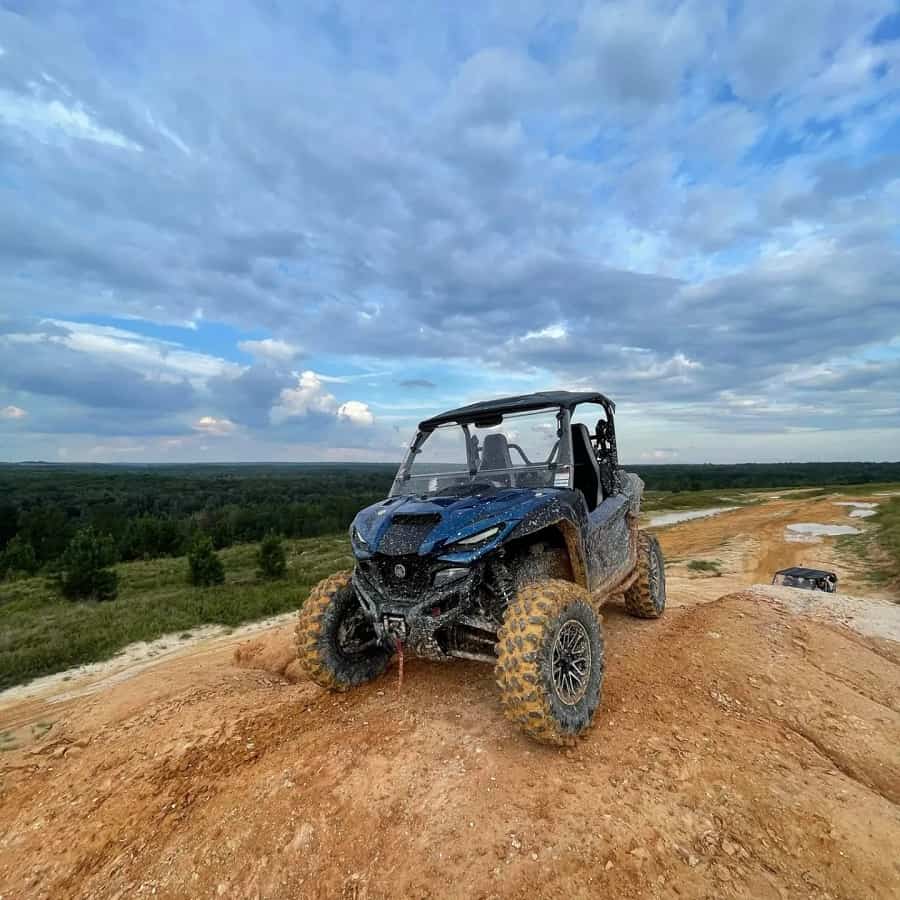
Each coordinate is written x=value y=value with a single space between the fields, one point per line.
x=405 y=534
x=415 y=582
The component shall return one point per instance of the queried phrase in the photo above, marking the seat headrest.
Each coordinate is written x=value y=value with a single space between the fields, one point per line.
x=495 y=452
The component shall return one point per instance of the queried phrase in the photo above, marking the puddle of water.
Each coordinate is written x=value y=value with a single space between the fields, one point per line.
x=817 y=529
x=859 y=509
x=676 y=517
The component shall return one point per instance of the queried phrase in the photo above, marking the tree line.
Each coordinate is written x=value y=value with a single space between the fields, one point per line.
x=145 y=512
x=153 y=511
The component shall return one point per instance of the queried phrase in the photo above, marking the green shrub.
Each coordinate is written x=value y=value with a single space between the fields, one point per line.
x=18 y=558
x=84 y=567
x=705 y=565
x=204 y=566
x=887 y=519
x=271 y=560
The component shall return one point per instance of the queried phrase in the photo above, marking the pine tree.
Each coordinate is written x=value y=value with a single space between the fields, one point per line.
x=204 y=566
x=271 y=558
x=18 y=558
x=85 y=567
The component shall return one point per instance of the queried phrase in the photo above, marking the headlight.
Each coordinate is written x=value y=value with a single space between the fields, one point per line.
x=480 y=537
x=358 y=539
x=448 y=576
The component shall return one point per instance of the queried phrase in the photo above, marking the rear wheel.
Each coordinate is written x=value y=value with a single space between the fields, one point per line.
x=336 y=643
x=646 y=598
x=550 y=661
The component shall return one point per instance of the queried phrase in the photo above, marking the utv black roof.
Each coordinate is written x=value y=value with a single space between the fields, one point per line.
x=800 y=572
x=523 y=403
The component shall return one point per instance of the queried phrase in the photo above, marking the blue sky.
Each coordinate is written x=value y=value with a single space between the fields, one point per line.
x=288 y=231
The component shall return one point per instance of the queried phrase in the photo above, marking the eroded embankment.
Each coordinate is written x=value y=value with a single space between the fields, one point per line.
x=741 y=750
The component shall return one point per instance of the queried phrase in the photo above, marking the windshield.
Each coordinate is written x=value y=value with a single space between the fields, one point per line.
x=520 y=451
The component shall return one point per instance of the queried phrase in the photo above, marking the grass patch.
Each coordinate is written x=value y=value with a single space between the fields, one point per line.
x=705 y=566
x=875 y=554
x=887 y=518
x=887 y=540
x=41 y=633
x=654 y=501
x=862 y=490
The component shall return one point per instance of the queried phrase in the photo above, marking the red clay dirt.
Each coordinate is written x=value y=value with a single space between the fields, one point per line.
x=740 y=751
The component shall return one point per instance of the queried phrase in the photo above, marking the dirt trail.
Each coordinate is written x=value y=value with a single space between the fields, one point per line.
x=750 y=544
x=741 y=750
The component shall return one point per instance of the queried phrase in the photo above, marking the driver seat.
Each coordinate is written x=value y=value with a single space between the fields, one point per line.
x=495 y=453
x=587 y=471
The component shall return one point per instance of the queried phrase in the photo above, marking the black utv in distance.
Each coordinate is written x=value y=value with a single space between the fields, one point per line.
x=506 y=530
x=806 y=579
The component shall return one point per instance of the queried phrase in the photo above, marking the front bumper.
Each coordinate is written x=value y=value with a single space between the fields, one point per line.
x=412 y=610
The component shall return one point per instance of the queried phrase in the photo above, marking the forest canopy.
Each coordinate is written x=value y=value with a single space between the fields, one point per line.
x=154 y=511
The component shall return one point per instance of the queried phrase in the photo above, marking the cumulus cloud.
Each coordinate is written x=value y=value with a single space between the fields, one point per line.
x=12 y=412
x=356 y=412
x=310 y=397
x=218 y=427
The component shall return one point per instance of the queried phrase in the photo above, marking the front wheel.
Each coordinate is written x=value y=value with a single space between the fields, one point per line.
x=337 y=646
x=646 y=598
x=550 y=661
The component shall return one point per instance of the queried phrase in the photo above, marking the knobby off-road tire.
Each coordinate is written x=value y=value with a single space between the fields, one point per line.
x=330 y=628
x=546 y=619
x=646 y=598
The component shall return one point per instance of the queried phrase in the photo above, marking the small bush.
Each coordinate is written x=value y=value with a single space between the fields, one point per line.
x=84 y=567
x=204 y=566
x=271 y=560
x=705 y=565
x=18 y=558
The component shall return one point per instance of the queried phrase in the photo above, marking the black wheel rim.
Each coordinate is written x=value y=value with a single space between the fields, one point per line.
x=571 y=662
x=355 y=634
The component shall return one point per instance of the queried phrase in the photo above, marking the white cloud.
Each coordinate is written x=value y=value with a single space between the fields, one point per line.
x=356 y=412
x=45 y=120
x=218 y=427
x=153 y=358
x=677 y=367
x=309 y=395
x=557 y=332
x=12 y=412
x=270 y=349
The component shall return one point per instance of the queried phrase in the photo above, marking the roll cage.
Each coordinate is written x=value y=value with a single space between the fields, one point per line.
x=564 y=458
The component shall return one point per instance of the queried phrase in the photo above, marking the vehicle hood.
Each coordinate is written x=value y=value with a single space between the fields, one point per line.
x=425 y=525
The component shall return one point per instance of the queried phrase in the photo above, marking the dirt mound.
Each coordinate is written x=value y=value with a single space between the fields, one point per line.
x=872 y=617
x=274 y=652
x=741 y=750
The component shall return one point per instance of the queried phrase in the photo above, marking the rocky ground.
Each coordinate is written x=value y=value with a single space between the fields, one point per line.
x=744 y=748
